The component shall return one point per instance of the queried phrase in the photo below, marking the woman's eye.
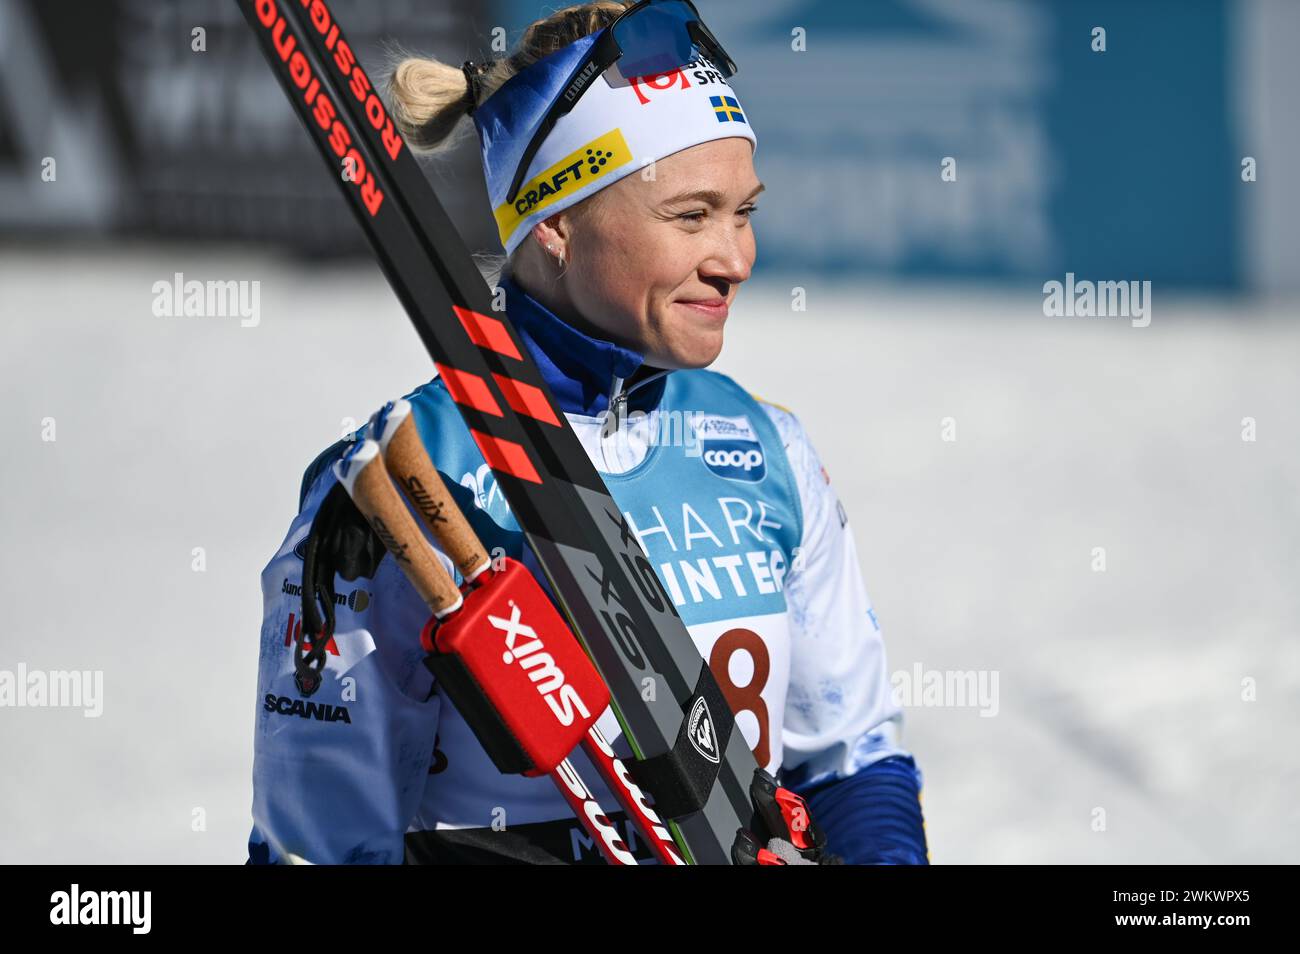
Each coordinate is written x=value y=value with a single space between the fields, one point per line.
x=700 y=215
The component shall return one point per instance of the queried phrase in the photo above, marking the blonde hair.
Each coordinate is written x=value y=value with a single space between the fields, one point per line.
x=429 y=97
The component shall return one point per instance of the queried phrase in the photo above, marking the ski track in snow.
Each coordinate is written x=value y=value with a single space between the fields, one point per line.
x=1117 y=691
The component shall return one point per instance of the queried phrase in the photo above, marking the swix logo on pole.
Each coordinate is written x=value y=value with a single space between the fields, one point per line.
x=523 y=646
x=582 y=801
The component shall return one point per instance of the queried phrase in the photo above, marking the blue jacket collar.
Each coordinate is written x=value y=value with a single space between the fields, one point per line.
x=585 y=374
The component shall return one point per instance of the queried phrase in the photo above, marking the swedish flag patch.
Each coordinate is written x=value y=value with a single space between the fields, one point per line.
x=727 y=109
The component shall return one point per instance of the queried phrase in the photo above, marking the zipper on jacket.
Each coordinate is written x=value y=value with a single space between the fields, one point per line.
x=617 y=413
x=613 y=420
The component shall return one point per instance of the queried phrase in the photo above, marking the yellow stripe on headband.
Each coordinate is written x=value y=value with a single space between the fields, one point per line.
x=575 y=171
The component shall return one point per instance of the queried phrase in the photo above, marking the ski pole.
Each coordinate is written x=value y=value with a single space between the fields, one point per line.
x=409 y=465
x=363 y=474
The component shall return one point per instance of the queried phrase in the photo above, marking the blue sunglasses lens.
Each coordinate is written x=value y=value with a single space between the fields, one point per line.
x=656 y=39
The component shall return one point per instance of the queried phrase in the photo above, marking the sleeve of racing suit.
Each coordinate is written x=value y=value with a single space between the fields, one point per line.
x=338 y=775
x=842 y=728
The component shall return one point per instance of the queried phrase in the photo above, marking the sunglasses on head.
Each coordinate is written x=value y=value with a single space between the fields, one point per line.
x=649 y=38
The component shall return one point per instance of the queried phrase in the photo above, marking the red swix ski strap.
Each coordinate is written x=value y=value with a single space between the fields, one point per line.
x=515 y=671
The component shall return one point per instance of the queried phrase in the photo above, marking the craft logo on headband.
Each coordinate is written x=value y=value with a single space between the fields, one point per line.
x=612 y=131
x=574 y=172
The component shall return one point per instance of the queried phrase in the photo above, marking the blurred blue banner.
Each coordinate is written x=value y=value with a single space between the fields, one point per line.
x=1013 y=140
x=1119 y=163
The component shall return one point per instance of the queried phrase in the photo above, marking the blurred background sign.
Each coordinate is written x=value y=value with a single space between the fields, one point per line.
x=155 y=138
x=1122 y=164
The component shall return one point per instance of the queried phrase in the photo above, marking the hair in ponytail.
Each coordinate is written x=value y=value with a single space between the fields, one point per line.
x=429 y=97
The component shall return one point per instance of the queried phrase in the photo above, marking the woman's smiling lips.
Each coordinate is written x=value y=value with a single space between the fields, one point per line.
x=713 y=307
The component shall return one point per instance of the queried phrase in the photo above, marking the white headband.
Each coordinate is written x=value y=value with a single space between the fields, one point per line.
x=613 y=131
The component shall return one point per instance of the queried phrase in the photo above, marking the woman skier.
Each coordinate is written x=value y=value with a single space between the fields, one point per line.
x=625 y=216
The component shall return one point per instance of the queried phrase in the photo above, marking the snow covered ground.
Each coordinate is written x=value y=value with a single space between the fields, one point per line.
x=1118 y=731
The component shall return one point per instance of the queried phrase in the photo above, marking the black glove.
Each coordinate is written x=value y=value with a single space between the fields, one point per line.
x=787 y=836
x=341 y=543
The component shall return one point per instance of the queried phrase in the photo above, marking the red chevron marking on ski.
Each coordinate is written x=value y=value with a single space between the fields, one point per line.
x=527 y=399
x=487 y=332
x=507 y=456
x=469 y=390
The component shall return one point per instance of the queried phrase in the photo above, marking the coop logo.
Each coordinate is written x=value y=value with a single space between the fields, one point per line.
x=730 y=448
x=320 y=711
x=575 y=171
x=523 y=646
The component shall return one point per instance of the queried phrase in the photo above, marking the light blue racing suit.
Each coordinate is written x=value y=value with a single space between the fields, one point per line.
x=739 y=518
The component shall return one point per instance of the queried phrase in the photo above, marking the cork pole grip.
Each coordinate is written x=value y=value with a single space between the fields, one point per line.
x=367 y=481
x=409 y=463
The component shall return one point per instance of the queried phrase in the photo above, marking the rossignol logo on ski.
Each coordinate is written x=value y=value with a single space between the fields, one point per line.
x=575 y=171
x=314 y=91
x=320 y=711
x=730 y=448
x=525 y=648
x=699 y=729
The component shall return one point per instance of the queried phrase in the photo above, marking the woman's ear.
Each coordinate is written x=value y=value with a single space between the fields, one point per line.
x=550 y=231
